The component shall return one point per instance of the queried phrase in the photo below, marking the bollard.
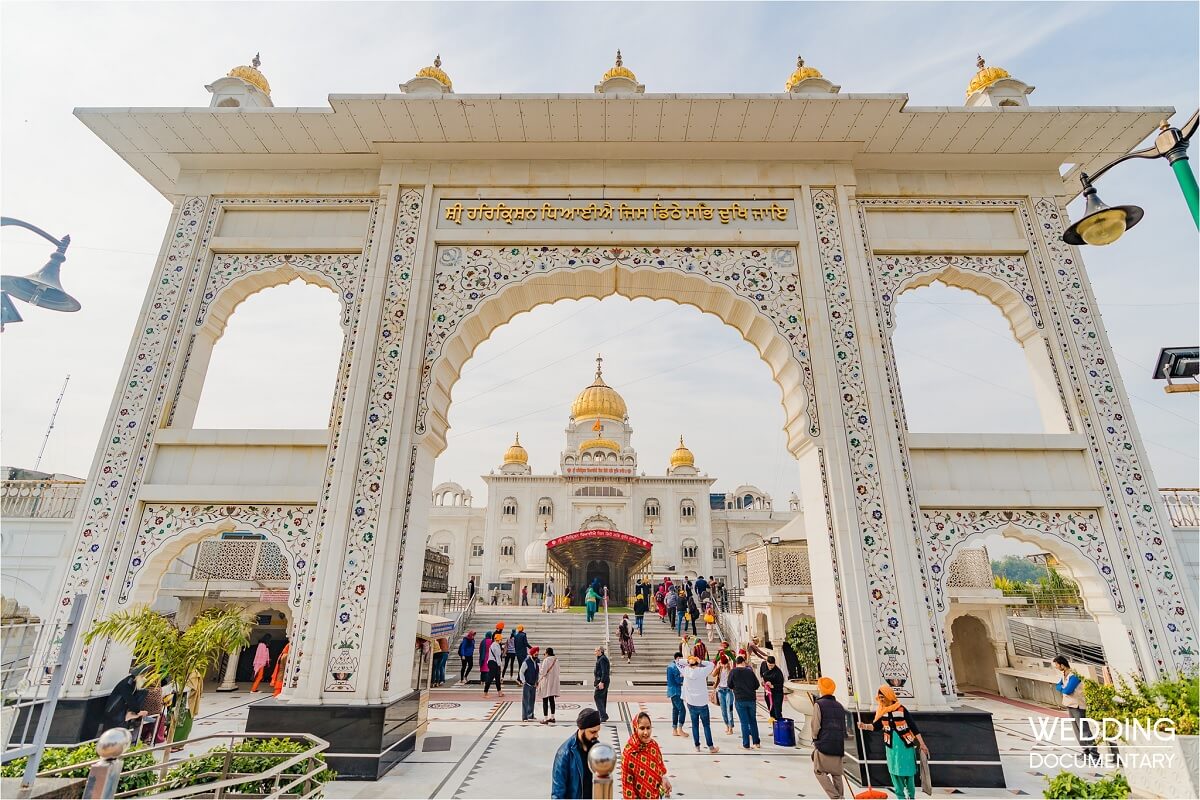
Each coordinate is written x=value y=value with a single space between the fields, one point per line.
x=602 y=760
x=104 y=774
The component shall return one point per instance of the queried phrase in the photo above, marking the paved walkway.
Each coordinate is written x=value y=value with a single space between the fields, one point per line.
x=474 y=748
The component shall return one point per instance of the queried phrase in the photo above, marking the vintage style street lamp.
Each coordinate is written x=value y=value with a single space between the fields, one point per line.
x=1103 y=224
x=42 y=288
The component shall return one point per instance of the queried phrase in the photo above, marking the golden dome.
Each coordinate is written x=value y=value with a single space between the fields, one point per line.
x=251 y=75
x=516 y=454
x=682 y=457
x=802 y=73
x=619 y=71
x=599 y=401
x=985 y=77
x=607 y=444
x=436 y=72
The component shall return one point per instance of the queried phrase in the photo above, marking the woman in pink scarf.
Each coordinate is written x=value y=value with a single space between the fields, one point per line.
x=262 y=657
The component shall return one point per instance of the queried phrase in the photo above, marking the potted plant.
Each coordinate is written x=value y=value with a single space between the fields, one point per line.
x=801 y=636
x=171 y=655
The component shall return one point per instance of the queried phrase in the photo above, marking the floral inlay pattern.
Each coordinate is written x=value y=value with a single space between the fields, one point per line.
x=387 y=669
x=1126 y=487
x=291 y=525
x=946 y=530
x=864 y=465
x=127 y=444
x=837 y=575
x=767 y=277
x=341 y=271
x=893 y=273
x=372 y=467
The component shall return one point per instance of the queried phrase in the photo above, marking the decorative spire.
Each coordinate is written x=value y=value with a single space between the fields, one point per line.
x=986 y=76
x=256 y=62
x=437 y=60
x=599 y=358
x=252 y=76
x=619 y=62
x=801 y=73
x=979 y=62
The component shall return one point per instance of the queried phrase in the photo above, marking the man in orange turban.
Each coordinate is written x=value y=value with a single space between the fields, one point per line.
x=828 y=729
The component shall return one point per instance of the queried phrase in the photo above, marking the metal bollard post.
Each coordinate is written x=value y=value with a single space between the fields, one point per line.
x=602 y=760
x=104 y=774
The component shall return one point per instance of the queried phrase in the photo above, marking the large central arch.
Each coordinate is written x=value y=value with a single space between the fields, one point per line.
x=753 y=289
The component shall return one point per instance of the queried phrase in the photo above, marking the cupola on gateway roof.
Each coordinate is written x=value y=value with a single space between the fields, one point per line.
x=682 y=457
x=516 y=454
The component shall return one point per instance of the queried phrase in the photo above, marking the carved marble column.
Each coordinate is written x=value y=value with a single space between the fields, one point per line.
x=229 y=678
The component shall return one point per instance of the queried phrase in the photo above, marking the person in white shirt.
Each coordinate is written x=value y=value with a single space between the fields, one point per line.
x=695 y=696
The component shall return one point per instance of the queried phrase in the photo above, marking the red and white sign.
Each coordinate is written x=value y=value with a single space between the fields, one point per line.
x=628 y=538
x=598 y=470
x=274 y=596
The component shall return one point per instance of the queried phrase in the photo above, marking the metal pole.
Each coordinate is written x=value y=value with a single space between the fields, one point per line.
x=602 y=759
x=57 y=678
x=105 y=774
x=1187 y=181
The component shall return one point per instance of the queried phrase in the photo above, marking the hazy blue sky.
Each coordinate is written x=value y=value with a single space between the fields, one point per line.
x=680 y=372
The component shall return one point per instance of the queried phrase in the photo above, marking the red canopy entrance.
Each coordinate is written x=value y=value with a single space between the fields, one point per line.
x=615 y=558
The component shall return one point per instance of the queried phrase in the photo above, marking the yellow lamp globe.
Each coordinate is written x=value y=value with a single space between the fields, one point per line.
x=1101 y=224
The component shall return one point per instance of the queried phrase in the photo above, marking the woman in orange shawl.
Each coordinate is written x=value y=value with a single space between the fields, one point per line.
x=900 y=740
x=280 y=668
x=643 y=773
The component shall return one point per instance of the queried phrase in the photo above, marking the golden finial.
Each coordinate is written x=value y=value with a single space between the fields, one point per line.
x=979 y=62
x=436 y=72
x=251 y=75
x=619 y=71
x=619 y=63
x=256 y=62
x=599 y=358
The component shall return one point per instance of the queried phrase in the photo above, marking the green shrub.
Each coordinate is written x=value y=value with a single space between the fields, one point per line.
x=802 y=636
x=208 y=769
x=59 y=757
x=1069 y=785
x=1176 y=699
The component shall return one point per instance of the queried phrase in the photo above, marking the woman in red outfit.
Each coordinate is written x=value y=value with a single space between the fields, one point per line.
x=643 y=773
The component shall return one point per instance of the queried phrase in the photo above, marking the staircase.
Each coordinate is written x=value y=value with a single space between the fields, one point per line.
x=1029 y=640
x=575 y=640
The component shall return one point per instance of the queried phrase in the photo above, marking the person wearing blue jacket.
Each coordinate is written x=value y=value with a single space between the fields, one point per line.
x=1070 y=686
x=571 y=777
x=675 y=693
x=466 y=653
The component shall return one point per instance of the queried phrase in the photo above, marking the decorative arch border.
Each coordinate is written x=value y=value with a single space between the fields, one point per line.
x=161 y=524
x=159 y=355
x=768 y=277
x=945 y=531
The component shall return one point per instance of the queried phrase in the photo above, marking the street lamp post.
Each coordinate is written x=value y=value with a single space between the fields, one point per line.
x=42 y=288
x=1102 y=224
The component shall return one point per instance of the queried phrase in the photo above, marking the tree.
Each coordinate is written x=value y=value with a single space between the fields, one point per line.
x=1018 y=570
x=169 y=654
x=802 y=636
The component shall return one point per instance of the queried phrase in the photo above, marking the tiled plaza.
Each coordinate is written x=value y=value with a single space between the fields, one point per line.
x=476 y=748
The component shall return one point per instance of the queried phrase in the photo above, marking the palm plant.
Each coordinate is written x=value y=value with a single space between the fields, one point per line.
x=173 y=655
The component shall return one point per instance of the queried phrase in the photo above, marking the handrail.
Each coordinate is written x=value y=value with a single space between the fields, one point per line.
x=607 y=628
x=228 y=779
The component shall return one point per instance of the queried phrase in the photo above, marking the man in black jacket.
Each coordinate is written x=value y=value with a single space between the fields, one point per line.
x=529 y=681
x=828 y=729
x=601 y=676
x=744 y=684
x=773 y=677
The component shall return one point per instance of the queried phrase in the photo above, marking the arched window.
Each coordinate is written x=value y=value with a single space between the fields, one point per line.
x=962 y=369
x=690 y=550
x=476 y=549
x=652 y=507
x=509 y=507
x=687 y=509
x=508 y=547
x=718 y=550
x=748 y=501
x=545 y=507
x=275 y=364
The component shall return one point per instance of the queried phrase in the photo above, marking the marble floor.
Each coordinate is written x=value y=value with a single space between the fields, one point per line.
x=480 y=749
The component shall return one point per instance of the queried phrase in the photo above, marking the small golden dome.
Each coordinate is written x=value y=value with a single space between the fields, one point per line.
x=802 y=73
x=682 y=457
x=606 y=444
x=985 y=77
x=599 y=401
x=251 y=75
x=619 y=71
x=437 y=73
x=516 y=454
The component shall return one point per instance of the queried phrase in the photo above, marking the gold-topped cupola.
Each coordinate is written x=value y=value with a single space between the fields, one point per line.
x=516 y=454
x=682 y=457
x=619 y=78
x=430 y=80
x=994 y=86
x=808 y=80
x=243 y=87
x=599 y=400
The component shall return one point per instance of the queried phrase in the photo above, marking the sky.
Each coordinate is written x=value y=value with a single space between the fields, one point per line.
x=680 y=372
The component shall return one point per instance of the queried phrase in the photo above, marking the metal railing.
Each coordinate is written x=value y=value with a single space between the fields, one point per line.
x=1183 y=506
x=39 y=499
x=1029 y=640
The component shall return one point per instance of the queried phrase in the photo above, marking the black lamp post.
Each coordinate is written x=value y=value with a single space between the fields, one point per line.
x=42 y=288
x=1103 y=224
